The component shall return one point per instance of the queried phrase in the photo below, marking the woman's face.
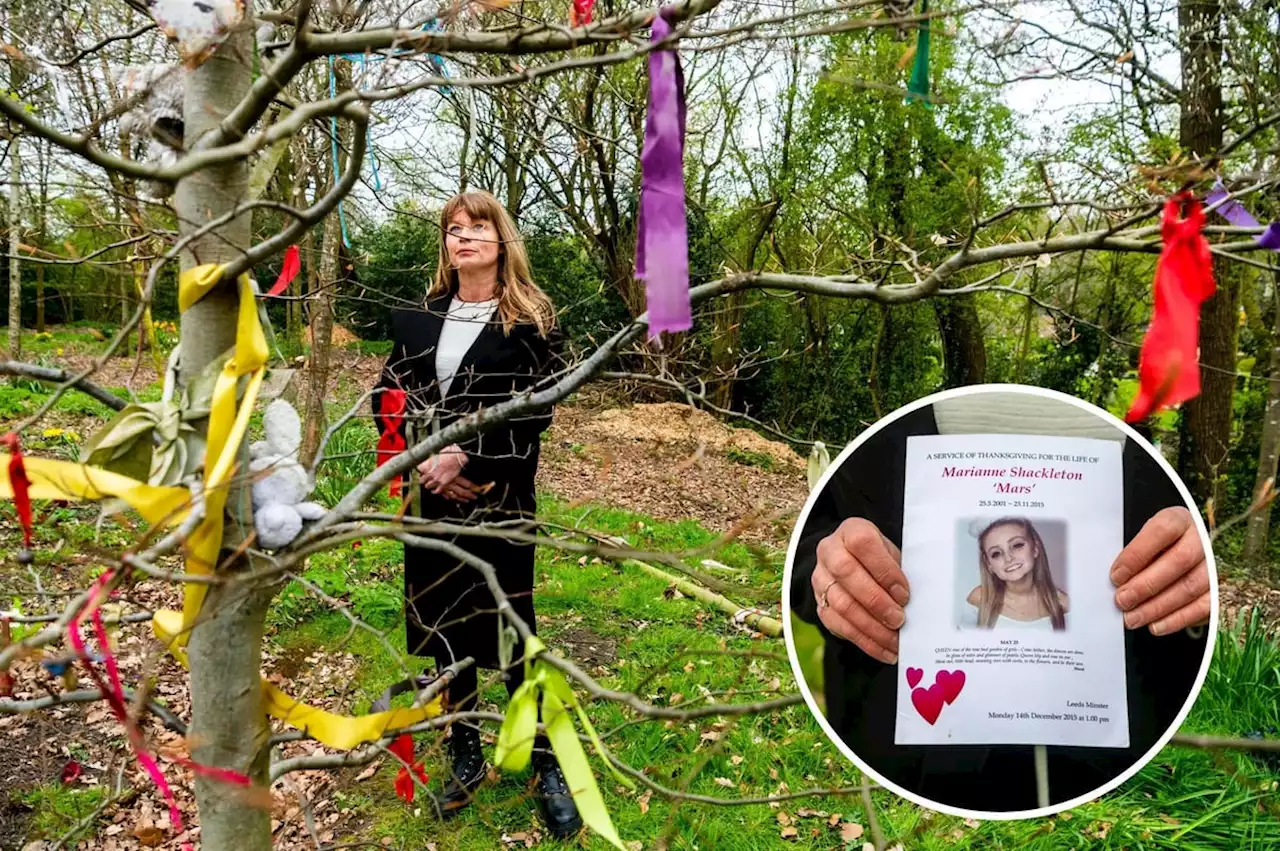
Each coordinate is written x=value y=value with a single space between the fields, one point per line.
x=1009 y=552
x=472 y=243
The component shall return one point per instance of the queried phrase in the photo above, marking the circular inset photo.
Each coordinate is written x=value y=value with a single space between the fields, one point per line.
x=1015 y=602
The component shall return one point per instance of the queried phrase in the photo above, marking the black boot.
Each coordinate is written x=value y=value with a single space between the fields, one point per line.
x=468 y=772
x=554 y=799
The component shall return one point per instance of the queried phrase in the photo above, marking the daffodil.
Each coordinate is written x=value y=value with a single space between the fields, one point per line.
x=52 y=432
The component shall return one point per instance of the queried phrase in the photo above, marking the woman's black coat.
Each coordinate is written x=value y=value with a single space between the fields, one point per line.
x=449 y=612
x=861 y=692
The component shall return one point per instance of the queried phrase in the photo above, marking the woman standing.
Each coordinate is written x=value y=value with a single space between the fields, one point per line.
x=486 y=333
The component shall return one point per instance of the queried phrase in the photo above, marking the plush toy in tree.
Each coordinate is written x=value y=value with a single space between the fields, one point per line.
x=281 y=485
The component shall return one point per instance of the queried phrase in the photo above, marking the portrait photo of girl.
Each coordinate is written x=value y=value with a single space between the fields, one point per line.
x=1017 y=587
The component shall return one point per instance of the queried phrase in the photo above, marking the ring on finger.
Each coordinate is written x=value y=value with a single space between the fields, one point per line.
x=823 y=602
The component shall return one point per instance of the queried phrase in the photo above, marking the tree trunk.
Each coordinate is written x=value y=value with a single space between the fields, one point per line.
x=316 y=391
x=228 y=718
x=15 y=242
x=1206 y=422
x=321 y=343
x=41 y=225
x=1259 y=524
x=964 y=356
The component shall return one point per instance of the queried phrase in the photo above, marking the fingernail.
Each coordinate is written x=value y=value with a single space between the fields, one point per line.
x=1133 y=620
x=1159 y=628
x=899 y=594
x=1119 y=575
x=1125 y=599
x=891 y=658
x=895 y=619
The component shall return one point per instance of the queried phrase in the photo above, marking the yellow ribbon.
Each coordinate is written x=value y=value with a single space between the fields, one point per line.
x=65 y=480
x=515 y=739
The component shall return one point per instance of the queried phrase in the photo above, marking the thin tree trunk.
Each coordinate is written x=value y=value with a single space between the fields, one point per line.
x=964 y=355
x=1259 y=524
x=15 y=242
x=41 y=225
x=228 y=718
x=316 y=392
x=1206 y=422
x=321 y=344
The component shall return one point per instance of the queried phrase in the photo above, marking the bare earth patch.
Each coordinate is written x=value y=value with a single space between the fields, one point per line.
x=674 y=462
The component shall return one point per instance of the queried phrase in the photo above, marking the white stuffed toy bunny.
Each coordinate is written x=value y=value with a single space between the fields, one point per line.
x=281 y=485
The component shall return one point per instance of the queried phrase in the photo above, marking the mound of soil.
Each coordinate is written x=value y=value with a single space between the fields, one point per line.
x=674 y=462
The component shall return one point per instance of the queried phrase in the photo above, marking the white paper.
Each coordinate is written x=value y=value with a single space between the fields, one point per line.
x=1019 y=680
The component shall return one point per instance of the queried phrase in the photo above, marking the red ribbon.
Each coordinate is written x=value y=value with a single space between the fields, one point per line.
x=289 y=271
x=20 y=484
x=1169 y=364
x=580 y=12
x=402 y=747
x=113 y=692
x=391 y=405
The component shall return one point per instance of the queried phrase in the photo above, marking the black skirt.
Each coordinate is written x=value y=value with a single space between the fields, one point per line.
x=450 y=612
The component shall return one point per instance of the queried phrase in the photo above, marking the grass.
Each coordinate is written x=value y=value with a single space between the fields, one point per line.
x=750 y=458
x=56 y=809
x=673 y=651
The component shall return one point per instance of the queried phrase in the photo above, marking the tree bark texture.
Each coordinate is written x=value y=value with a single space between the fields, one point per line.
x=15 y=243
x=313 y=420
x=228 y=717
x=1206 y=422
x=964 y=355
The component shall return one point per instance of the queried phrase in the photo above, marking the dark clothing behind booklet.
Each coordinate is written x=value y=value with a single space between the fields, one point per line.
x=861 y=692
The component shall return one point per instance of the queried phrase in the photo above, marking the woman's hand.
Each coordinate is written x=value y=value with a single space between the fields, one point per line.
x=861 y=589
x=461 y=490
x=442 y=468
x=1162 y=576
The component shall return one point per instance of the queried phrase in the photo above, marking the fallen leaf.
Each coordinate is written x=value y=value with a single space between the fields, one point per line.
x=643 y=801
x=783 y=818
x=725 y=782
x=148 y=834
x=370 y=771
x=973 y=823
x=790 y=833
x=850 y=831
x=735 y=759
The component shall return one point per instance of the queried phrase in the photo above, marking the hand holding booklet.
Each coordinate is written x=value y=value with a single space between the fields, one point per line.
x=1012 y=635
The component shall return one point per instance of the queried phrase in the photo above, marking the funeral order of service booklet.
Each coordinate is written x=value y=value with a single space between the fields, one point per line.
x=1012 y=634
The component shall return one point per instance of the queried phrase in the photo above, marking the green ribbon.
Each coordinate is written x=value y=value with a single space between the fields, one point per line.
x=918 y=87
x=515 y=739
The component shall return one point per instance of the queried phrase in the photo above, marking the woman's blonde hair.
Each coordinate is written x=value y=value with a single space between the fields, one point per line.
x=993 y=587
x=519 y=298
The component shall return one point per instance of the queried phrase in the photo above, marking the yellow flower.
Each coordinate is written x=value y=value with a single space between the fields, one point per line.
x=59 y=350
x=52 y=432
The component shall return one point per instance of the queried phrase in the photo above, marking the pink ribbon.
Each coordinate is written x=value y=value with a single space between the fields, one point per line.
x=662 y=231
x=113 y=692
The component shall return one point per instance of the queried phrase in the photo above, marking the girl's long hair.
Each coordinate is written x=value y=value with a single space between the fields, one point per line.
x=1041 y=578
x=519 y=298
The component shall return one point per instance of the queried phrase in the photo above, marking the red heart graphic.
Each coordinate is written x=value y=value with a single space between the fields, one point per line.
x=928 y=702
x=952 y=682
x=913 y=676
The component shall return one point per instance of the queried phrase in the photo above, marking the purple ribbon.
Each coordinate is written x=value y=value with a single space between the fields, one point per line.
x=662 y=231
x=1234 y=212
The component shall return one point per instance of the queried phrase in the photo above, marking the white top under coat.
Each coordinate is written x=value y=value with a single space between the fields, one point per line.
x=462 y=325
